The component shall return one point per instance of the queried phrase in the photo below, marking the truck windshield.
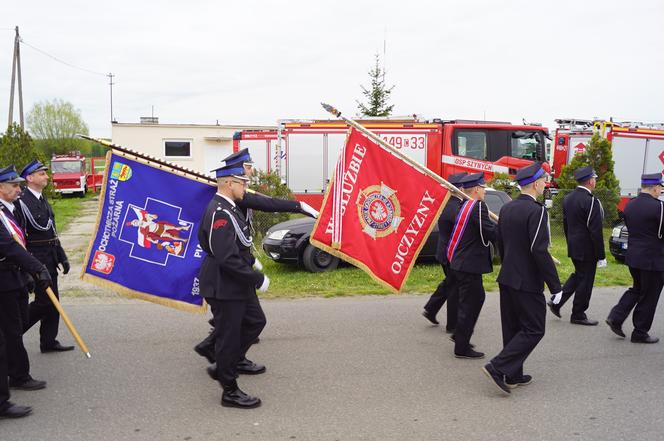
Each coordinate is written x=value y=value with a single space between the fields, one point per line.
x=66 y=166
x=527 y=145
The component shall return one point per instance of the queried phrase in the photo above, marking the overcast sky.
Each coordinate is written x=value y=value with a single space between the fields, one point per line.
x=254 y=62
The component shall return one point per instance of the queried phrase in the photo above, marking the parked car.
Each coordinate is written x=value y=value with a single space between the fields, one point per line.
x=288 y=242
x=618 y=241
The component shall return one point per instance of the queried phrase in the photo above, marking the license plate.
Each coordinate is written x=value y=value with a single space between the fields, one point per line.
x=624 y=246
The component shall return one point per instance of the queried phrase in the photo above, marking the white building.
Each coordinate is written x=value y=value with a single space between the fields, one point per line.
x=196 y=146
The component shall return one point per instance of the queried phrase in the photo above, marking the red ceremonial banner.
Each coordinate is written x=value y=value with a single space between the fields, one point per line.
x=378 y=210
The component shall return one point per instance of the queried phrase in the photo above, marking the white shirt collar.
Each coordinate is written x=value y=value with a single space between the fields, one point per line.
x=37 y=194
x=585 y=188
x=8 y=205
x=227 y=198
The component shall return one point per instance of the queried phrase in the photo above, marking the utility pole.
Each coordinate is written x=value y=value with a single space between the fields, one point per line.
x=16 y=74
x=111 y=83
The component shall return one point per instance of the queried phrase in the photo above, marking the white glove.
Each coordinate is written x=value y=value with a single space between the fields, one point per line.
x=258 y=266
x=265 y=285
x=602 y=263
x=308 y=209
x=557 y=297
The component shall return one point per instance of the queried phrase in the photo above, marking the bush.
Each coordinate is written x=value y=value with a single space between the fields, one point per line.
x=503 y=182
x=269 y=184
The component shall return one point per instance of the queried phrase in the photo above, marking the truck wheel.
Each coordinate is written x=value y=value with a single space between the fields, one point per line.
x=317 y=260
x=85 y=190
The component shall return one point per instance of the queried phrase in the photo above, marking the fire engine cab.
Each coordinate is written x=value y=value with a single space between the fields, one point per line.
x=69 y=173
x=305 y=152
x=636 y=148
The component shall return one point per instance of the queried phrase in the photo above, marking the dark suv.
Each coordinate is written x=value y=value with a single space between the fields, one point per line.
x=288 y=242
x=618 y=241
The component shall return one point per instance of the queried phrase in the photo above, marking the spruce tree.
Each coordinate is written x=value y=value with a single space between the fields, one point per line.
x=378 y=95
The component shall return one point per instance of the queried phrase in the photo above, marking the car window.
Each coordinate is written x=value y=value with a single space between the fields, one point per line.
x=494 y=202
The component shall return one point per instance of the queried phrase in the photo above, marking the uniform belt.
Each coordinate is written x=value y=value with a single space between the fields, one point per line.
x=44 y=242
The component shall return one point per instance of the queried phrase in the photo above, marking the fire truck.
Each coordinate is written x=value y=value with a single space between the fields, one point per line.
x=70 y=175
x=636 y=147
x=305 y=152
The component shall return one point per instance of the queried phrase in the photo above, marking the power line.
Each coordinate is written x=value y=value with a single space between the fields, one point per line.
x=62 y=61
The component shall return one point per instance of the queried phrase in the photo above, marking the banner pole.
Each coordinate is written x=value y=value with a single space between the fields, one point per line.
x=393 y=150
x=70 y=325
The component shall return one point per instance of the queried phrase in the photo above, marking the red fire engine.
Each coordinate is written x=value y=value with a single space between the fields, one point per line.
x=70 y=175
x=305 y=152
x=636 y=148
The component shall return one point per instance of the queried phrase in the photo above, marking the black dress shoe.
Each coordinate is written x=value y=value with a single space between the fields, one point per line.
x=584 y=322
x=248 y=367
x=615 y=327
x=648 y=339
x=56 y=347
x=471 y=354
x=30 y=384
x=205 y=350
x=523 y=381
x=236 y=398
x=555 y=309
x=15 y=411
x=497 y=378
x=212 y=372
x=432 y=318
x=453 y=340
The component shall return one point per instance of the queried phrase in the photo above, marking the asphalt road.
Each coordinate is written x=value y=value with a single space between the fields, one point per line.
x=362 y=368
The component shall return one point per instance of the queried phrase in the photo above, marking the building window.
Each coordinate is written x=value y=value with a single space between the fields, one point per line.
x=177 y=148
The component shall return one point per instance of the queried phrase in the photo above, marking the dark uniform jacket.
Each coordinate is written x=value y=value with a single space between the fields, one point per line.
x=43 y=244
x=14 y=259
x=226 y=272
x=523 y=240
x=582 y=222
x=644 y=216
x=445 y=226
x=471 y=252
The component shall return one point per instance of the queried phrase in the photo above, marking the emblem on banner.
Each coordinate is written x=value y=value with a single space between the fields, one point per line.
x=103 y=262
x=379 y=210
x=121 y=172
x=157 y=230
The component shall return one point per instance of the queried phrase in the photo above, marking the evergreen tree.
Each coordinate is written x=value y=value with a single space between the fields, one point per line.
x=18 y=148
x=598 y=155
x=378 y=95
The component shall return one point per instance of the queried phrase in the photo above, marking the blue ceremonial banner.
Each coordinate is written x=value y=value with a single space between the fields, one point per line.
x=146 y=244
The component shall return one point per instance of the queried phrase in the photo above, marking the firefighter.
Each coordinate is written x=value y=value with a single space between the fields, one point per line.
x=523 y=241
x=582 y=222
x=644 y=218
x=15 y=262
x=250 y=202
x=229 y=283
x=44 y=244
x=469 y=256
x=447 y=289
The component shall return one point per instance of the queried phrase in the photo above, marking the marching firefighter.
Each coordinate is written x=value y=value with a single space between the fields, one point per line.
x=469 y=256
x=15 y=262
x=523 y=241
x=644 y=218
x=447 y=289
x=43 y=243
x=250 y=202
x=582 y=222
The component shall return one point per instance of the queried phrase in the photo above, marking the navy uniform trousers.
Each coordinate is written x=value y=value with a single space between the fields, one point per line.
x=445 y=292
x=471 y=299
x=642 y=297
x=42 y=308
x=522 y=316
x=580 y=283
x=11 y=327
x=237 y=324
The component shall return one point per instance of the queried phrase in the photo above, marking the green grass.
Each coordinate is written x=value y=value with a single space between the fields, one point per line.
x=67 y=208
x=290 y=281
